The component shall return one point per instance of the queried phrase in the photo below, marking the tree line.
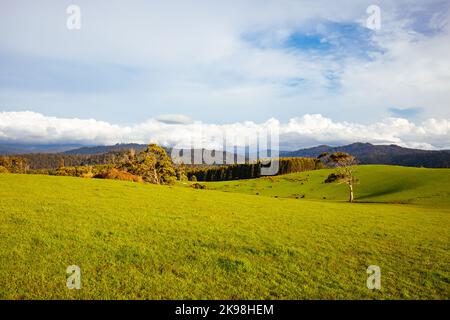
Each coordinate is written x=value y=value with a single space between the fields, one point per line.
x=250 y=170
x=13 y=164
x=38 y=161
x=151 y=165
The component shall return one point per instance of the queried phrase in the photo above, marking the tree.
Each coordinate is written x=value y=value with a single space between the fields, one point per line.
x=345 y=165
x=152 y=164
x=61 y=163
x=180 y=171
x=164 y=167
x=14 y=164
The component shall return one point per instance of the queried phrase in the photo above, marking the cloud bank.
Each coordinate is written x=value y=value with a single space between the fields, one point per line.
x=305 y=131
x=226 y=61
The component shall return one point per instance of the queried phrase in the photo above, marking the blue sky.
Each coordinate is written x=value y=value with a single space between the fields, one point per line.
x=226 y=62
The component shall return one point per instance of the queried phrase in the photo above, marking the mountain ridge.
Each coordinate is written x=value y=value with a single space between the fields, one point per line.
x=367 y=153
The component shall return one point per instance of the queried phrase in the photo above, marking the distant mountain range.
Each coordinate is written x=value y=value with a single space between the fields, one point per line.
x=105 y=149
x=128 y=146
x=365 y=153
x=16 y=148
x=42 y=157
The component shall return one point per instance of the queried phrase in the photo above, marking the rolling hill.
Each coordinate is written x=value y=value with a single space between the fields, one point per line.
x=139 y=241
x=377 y=183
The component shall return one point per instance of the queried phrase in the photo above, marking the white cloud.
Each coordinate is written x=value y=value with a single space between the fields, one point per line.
x=192 y=56
x=174 y=119
x=308 y=130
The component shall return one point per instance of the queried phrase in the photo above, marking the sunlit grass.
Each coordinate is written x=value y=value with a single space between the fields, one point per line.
x=377 y=183
x=136 y=241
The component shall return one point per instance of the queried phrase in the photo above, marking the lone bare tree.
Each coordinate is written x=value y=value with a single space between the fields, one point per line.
x=345 y=165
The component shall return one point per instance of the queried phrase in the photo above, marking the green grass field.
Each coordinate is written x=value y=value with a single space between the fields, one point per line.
x=136 y=241
x=377 y=183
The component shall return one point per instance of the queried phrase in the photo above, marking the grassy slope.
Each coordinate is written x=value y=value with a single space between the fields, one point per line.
x=143 y=241
x=378 y=183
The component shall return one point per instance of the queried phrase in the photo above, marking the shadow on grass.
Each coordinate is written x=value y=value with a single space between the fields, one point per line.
x=389 y=190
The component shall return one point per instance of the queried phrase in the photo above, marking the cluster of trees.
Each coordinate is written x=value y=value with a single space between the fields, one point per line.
x=153 y=165
x=294 y=164
x=78 y=171
x=38 y=161
x=113 y=173
x=224 y=172
x=250 y=170
x=13 y=164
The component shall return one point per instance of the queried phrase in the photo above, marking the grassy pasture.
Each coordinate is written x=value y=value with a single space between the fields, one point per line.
x=137 y=241
x=377 y=183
